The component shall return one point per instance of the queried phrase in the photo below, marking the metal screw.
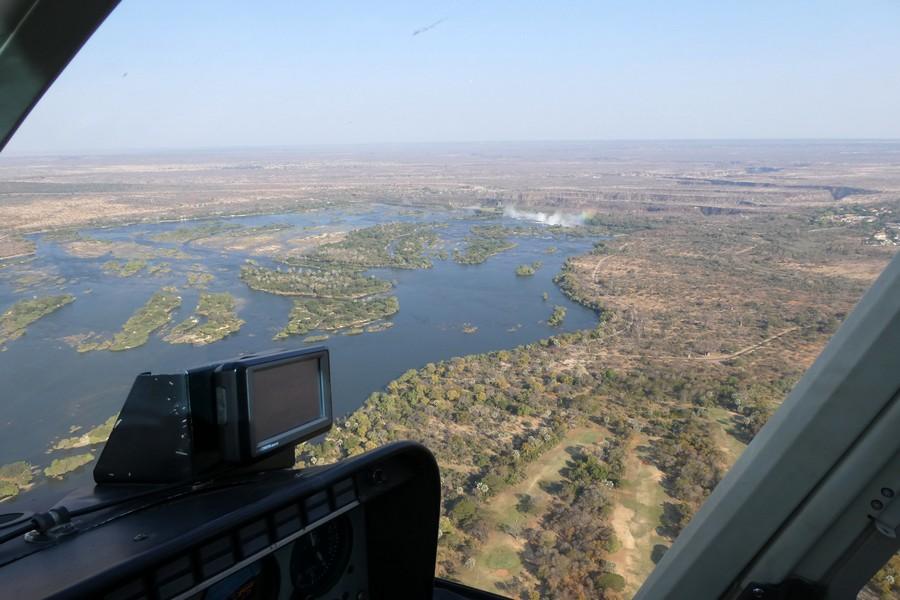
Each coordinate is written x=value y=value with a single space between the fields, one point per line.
x=887 y=492
x=758 y=592
x=877 y=504
x=140 y=537
x=378 y=476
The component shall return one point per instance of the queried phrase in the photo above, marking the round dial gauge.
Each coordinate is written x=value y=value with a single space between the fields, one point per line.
x=320 y=557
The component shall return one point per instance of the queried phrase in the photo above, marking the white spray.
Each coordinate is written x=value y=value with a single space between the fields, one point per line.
x=556 y=218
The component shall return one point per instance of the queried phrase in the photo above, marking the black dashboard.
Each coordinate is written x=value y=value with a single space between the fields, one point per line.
x=361 y=529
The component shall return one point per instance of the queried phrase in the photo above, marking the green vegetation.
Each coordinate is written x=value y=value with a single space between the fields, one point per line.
x=528 y=270
x=8 y=490
x=96 y=435
x=487 y=417
x=162 y=268
x=526 y=504
x=524 y=271
x=556 y=319
x=214 y=319
x=551 y=250
x=483 y=242
x=61 y=236
x=545 y=296
x=62 y=466
x=85 y=247
x=886 y=582
x=488 y=213
x=311 y=339
x=199 y=279
x=15 y=321
x=568 y=281
x=611 y=581
x=126 y=268
x=575 y=533
x=503 y=557
x=308 y=315
x=137 y=329
x=336 y=283
x=134 y=266
x=14 y=246
x=379 y=327
x=14 y=478
x=24 y=280
x=394 y=245
x=183 y=235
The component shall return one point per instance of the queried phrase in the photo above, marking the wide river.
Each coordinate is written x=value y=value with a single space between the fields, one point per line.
x=49 y=387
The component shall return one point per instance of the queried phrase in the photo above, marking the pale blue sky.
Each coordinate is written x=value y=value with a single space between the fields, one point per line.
x=189 y=74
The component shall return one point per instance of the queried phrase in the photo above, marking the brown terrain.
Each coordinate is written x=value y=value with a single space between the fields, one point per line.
x=726 y=269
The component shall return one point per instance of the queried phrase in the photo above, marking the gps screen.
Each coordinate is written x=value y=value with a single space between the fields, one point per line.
x=284 y=397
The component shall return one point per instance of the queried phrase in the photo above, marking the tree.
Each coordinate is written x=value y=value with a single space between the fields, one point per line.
x=526 y=504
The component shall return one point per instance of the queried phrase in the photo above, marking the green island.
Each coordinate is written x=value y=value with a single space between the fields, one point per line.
x=95 y=435
x=183 y=235
x=528 y=270
x=14 y=478
x=137 y=329
x=85 y=247
x=557 y=317
x=394 y=245
x=15 y=321
x=62 y=466
x=483 y=242
x=328 y=315
x=124 y=268
x=312 y=339
x=162 y=268
x=488 y=213
x=25 y=280
x=214 y=319
x=199 y=279
x=384 y=326
x=469 y=328
x=335 y=283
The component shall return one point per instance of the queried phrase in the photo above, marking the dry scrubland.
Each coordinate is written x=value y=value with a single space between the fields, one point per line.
x=569 y=465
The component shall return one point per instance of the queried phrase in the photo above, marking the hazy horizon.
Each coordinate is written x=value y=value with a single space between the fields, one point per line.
x=278 y=148
x=165 y=76
x=760 y=151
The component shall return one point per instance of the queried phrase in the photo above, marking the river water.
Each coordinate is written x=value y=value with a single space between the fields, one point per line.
x=49 y=387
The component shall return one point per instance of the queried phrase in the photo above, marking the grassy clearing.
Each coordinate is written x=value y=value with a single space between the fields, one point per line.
x=636 y=516
x=730 y=445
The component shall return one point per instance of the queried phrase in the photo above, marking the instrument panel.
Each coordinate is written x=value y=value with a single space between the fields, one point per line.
x=363 y=528
x=327 y=562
